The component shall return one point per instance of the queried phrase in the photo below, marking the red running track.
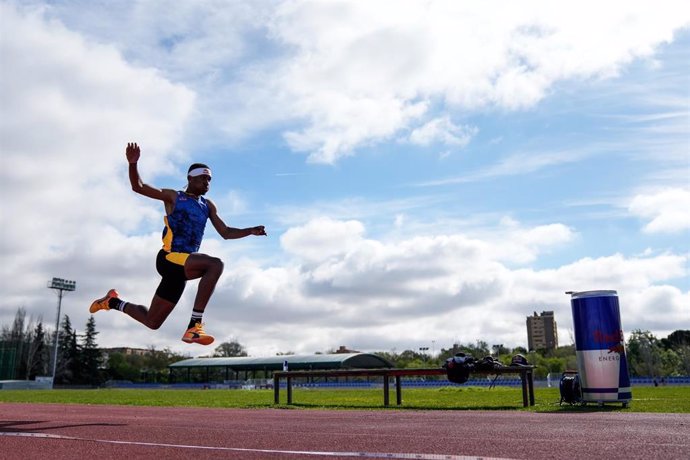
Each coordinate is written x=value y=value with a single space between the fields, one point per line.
x=38 y=431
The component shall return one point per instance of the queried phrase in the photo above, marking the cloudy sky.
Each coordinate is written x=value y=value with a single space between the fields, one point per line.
x=428 y=172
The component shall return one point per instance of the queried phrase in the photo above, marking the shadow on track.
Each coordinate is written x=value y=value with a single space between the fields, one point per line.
x=22 y=426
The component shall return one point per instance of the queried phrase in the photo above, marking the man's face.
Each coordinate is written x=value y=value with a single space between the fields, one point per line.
x=199 y=185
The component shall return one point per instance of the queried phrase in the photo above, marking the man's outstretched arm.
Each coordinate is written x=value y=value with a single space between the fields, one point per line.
x=231 y=233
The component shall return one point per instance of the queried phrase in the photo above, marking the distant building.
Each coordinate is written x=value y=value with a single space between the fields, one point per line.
x=542 y=332
x=127 y=351
x=106 y=352
x=344 y=349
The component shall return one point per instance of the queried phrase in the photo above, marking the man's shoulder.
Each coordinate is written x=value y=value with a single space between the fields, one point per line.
x=170 y=194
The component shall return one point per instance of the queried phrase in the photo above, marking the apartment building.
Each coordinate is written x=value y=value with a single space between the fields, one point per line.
x=541 y=331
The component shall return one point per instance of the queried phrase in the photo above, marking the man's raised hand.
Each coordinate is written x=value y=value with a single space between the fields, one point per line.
x=133 y=153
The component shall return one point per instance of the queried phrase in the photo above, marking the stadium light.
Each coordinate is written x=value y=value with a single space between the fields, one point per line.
x=61 y=285
x=423 y=350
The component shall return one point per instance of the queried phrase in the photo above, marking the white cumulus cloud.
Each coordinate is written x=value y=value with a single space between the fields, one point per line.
x=68 y=109
x=358 y=59
x=322 y=238
x=444 y=131
x=666 y=211
x=335 y=77
x=374 y=294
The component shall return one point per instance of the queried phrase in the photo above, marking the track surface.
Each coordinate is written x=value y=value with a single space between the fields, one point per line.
x=120 y=432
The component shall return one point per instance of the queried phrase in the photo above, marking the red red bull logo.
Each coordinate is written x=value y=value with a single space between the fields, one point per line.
x=614 y=353
x=618 y=348
x=603 y=337
x=613 y=342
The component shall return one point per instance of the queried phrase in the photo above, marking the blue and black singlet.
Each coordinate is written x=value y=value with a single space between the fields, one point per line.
x=184 y=228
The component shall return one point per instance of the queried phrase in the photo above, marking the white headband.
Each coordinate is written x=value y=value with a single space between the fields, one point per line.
x=199 y=172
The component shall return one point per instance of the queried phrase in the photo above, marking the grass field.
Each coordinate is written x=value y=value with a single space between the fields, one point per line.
x=645 y=399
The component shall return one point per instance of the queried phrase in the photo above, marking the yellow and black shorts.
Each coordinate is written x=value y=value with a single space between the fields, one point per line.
x=170 y=266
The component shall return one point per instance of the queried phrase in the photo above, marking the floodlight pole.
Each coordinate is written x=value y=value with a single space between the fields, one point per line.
x=61 y=286
x=497 y=349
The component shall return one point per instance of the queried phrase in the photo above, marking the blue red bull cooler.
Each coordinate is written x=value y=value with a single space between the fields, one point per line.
x=600 y=347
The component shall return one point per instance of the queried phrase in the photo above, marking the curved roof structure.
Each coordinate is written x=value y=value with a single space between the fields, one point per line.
x=295 y=362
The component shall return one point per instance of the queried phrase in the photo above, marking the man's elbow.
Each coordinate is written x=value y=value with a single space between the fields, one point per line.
x=232 y=234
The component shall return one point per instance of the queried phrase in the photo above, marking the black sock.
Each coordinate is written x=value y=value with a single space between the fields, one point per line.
x=116 y=304
x=196 y=318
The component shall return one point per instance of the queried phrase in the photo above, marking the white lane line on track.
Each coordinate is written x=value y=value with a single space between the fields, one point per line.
x=399 y=455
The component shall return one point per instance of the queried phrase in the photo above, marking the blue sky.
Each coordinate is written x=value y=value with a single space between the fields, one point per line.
x=428 y=172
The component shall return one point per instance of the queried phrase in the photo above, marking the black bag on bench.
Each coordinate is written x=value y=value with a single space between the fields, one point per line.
x=458 y=367
x=488 y=363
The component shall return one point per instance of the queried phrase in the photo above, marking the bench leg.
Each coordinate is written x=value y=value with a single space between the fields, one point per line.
x=386 y=392
x=523 y=380
x=530 y=385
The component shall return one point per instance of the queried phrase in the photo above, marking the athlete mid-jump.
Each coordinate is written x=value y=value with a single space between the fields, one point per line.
x=178 y=261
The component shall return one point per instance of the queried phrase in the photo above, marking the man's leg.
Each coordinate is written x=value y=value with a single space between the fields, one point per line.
x=168 y=293
x=209 y=270
x=152 y=317
x=172 y=285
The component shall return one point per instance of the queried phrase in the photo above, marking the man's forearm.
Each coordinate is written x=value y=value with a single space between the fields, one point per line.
x=232 y=233
x=134 y=178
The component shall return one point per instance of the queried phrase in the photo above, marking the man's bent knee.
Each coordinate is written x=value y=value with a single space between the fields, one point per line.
x=154 y=324
x=217 y=264
x=212 y=266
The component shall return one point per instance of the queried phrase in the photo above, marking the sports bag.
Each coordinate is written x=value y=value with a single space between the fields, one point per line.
x=571 y=392
x=488 y=363
x=458 y=367
x=519 y=360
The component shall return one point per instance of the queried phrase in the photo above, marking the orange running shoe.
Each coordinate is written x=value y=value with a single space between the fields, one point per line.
x=196 y=334
x=103 y=302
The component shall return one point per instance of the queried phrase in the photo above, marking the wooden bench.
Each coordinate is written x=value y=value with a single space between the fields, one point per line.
x=526 y=378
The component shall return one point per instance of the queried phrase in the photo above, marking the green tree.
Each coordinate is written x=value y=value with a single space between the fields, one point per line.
x=391 y=356
x=67 y=371
x=38 y=356
x=155 y=364
x=677 y=339
x=409 y=359
x=15 y=342
x=683 y=360
x=150 y=366
x=25 y=348
x=500 y=350
x=554 y=365
x=121 y=368
x=75 y=361
x=478 y=350
x=230 y=349
x=649 y=356
x=670 y=362
x=90 y=356
x=644 y=354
